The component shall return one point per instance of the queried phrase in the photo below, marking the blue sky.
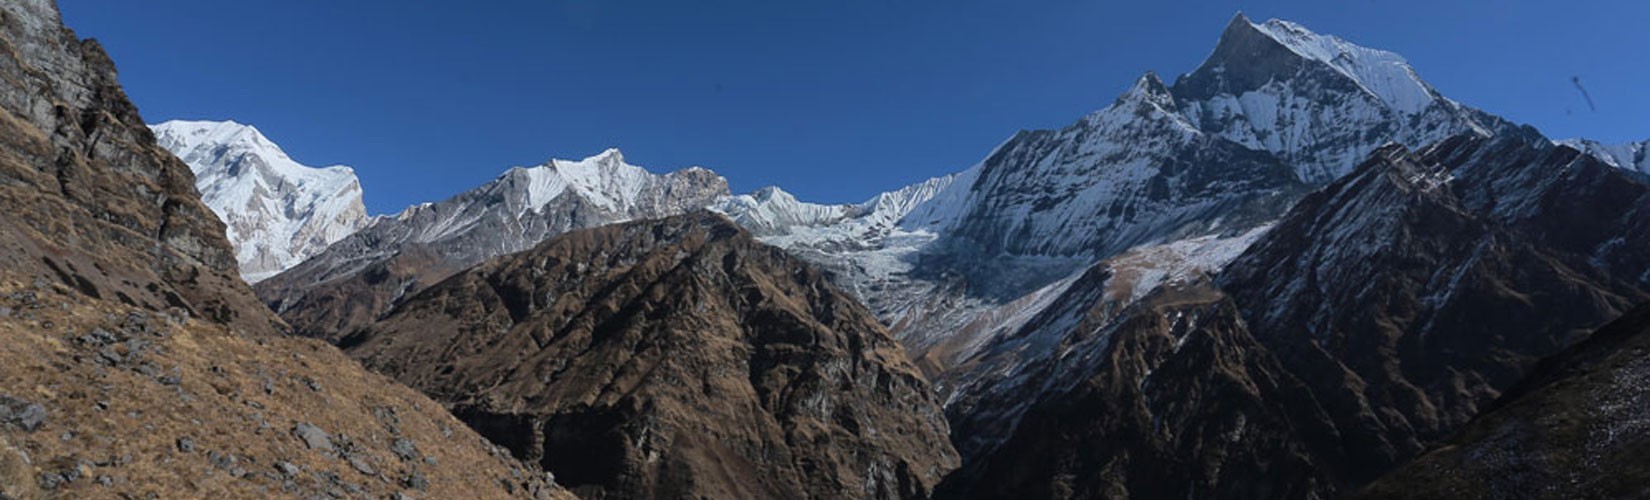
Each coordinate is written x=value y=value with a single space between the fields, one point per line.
x=833 y=100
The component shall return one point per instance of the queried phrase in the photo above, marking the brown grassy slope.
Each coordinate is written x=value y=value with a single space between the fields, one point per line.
x=139 y=402
x=133 y=361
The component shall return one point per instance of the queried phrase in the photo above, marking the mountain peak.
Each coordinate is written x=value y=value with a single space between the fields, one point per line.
x=277 y=211
x=186 y=135
x=1150 y=85
x=609 y=155
x=1249 y=56
x=1239 y=21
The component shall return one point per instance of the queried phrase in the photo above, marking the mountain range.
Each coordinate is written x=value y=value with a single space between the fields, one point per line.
x=1296 y=271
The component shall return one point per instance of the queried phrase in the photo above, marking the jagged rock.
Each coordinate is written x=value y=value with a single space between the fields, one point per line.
x=405 y=449
x=313 y=437
x=362 y=465
x=21 y=414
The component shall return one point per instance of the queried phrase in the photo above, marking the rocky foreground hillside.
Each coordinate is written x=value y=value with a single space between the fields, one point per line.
x=135 y=363
x=673 y=358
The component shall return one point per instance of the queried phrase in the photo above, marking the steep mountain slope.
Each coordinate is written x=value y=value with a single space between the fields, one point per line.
x=1380 y=315
x=674 y=358
x=359 y=278
x=1166 y=397
x=1422 y=289
x=1575 y=428
x=1135 y=172
x=277 y=212
x=136 y=364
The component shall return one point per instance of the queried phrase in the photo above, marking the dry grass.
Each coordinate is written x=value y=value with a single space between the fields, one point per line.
x=171 y=408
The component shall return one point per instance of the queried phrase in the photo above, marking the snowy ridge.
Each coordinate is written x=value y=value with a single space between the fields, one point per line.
x=772 y=211
x=527 y=204
x=605 y=180
x=1384 y=74
x=278 y=212
x=1633 y=156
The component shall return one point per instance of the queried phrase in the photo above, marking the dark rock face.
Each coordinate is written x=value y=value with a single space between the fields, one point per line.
x=671 y=358
x=1575 y=428
x=89 y=199
x=1170 y=398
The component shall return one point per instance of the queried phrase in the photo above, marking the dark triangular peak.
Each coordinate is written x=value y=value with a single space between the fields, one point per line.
x=1246 y=58
x=1148 y=88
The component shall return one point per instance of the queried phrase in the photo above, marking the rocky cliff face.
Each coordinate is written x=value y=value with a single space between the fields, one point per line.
x=359 y=278
x=136 y=363
x=276 y=211
x=90 y=199
x=1575 y=428
x=672 y=358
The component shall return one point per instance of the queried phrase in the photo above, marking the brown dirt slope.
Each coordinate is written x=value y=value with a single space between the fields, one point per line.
x=672 y=358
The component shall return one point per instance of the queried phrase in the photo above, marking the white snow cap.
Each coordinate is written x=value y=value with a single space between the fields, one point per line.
x=1385 y=74
x=277 y=211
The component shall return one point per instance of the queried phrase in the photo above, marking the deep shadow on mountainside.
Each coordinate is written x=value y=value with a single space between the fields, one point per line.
x=671 y=358
x=1577 y=427
x=133 y=361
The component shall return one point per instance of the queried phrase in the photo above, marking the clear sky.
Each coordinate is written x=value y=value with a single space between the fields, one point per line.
x=834 y=100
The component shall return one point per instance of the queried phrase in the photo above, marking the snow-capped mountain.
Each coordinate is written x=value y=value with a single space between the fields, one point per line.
x=1634 y=156
x=1319 y=103
x=1381 y=314
x=1274 y=111
x=278 y=212
x=359 y=277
